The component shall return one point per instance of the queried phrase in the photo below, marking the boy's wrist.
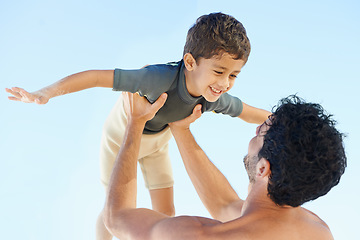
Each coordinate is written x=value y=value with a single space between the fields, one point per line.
x=48 y=93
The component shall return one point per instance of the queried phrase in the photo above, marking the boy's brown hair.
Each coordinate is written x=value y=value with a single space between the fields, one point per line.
x=215 y=34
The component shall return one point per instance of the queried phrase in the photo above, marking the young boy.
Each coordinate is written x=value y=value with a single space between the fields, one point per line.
x=216 y=49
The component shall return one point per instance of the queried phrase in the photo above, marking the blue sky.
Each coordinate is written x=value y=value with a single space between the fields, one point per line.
x=49 y=179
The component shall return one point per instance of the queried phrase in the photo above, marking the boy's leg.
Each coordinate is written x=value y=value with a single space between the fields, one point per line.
x=112 y=137
x=157 y=173
x=162 y=200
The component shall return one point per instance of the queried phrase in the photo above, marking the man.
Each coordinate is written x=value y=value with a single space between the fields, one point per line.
x=296 y=156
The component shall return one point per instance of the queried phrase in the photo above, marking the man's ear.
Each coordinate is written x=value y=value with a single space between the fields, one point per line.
x=263 y=168
x=189 y=61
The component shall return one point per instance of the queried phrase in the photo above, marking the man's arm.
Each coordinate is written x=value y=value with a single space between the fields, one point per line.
x=214 y=190
x=253 y=115
x=121 y=216
x=122 y=190
x=72 y=83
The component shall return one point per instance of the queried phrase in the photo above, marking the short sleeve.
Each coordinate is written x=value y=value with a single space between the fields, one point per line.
x=130 y=80
x=150 y=81
x=226 y=104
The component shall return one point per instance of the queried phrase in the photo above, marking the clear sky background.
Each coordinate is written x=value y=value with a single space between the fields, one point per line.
x=49 y=174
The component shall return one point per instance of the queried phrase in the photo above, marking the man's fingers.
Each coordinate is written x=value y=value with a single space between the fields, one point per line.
x=159 y=102
x=197 y=111
x=126 y=101
x=139 y=107
x=185 y=123
x=195 y=114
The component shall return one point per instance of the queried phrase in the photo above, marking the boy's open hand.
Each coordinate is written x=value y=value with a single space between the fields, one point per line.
x=185 y=123
x=139 y=109
x=20 y=94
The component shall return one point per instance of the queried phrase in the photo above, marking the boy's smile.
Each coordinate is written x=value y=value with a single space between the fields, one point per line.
x=211 y=77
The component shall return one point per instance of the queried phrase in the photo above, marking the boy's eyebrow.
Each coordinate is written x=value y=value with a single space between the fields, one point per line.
x=224 y=68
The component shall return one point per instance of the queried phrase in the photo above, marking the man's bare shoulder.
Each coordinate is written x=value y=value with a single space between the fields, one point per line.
x=312 y=216
x=299 y=224
x=317 y=222
x=183 y=227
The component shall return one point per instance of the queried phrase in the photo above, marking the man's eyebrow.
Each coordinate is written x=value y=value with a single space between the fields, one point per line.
x=260 y=131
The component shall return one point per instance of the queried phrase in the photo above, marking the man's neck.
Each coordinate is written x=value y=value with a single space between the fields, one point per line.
x=258 y=200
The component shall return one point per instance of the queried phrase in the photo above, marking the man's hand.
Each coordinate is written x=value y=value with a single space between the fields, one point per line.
x=139 y=109
x=20 y=94
x=185 y=123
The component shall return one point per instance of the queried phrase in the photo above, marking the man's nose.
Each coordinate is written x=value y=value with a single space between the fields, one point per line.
x=257 y=130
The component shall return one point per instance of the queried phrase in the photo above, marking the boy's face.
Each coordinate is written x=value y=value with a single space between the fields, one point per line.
x=212 y=77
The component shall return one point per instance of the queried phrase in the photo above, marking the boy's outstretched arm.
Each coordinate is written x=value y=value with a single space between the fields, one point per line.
x=253 y=115
x=73 y=83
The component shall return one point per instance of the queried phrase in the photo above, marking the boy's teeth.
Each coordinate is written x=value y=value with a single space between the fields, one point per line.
x=215 y=90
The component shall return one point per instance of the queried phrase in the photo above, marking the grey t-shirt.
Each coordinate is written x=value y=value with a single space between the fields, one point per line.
x=154 y=80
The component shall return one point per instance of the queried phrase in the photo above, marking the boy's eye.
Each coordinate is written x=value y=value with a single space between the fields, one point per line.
x=218 y=72
x=233 y=76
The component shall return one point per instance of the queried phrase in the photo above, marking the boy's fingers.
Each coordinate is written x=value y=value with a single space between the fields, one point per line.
x=14 y=98
x=26 y=96
x=16 y=89
x=16 y=94
x=22 y=94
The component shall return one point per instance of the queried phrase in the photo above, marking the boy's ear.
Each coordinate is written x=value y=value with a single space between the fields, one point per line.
x=189 y=61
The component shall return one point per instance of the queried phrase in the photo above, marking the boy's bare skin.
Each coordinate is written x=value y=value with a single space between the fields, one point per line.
x=256 y=217
x=202 y=78
x=228 y=51
x=207 y=77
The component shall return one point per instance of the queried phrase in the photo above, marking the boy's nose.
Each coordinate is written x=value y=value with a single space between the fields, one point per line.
x=224 y=83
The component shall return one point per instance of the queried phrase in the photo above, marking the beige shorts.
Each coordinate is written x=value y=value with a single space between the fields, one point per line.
x=153 y=156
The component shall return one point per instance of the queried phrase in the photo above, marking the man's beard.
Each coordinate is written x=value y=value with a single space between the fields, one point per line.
x=250 y=166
